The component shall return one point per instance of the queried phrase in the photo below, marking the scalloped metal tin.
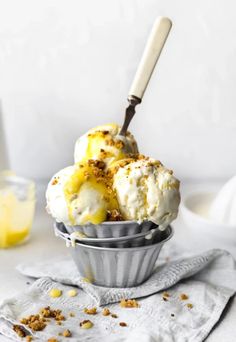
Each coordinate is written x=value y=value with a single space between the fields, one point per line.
x=141 y=239
x=111 y=229
x=117 y=267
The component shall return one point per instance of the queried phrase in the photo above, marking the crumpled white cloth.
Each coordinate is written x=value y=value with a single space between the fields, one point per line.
x=208 y=279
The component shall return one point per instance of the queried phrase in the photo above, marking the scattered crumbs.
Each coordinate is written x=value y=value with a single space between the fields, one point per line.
x=29 y=338
x=165 y=294
x=60 y=318
x=19 y=330
x=34 y=322
x=86 y=324
x=106 y=312
x=92 y=311
x=71 y=314
x=54 y=293
x=114 y=316
x=172 y=315
x=129 y=303
x=66 y=333
x=183 y=296
x=54 y=181
x=52 y=339
x=60 y=334
x=72 y=293
x=123 y=324
x=189 y=305
x=58 y=322
x=27 y=283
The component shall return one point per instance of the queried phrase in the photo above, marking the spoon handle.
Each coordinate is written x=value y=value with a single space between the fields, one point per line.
x=154 y=46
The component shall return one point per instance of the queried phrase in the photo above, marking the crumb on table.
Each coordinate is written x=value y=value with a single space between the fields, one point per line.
x=123 y=324
x=114 y=316
x=92 y=311
x=129 y=303
x=19 y=330
x=106 y=312
x=183 y=296
x=66 y=333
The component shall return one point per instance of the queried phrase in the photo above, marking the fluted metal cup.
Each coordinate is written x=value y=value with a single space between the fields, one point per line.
x=118 y=267
x=111 y=229
x=141 y=239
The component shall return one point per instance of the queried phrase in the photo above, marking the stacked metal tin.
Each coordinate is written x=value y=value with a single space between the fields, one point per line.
x=115 y=254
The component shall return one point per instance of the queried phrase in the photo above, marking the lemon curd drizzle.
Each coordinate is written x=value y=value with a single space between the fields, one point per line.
x=102 y=145
x=91 y=174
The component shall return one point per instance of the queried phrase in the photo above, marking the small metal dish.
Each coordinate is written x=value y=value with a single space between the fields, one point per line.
x=111 y=229
x=117 y=267
x=141 y=239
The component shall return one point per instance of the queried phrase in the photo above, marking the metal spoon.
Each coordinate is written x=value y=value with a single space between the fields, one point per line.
x=152 y=51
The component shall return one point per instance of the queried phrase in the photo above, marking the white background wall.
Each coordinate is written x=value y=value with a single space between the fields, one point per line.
x=66 y=66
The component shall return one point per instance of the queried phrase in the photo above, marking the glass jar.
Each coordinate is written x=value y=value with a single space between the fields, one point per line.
x=17 y=206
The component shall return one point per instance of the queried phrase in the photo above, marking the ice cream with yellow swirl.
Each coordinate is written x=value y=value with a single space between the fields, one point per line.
x=110 y=181
x=82 y=194
x=104 y=143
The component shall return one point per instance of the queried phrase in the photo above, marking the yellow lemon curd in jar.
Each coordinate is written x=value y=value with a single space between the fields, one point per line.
x=88 y=177
x=16 y=218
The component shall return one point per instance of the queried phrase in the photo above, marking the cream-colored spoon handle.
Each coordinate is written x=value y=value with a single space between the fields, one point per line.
x=155 y=43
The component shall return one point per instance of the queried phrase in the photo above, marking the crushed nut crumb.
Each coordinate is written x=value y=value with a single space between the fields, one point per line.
x=55 y=181
x=114 y=316
x=106 y=312
x=52 y=339
x=29 y=338
x=60 y=318
x=66 y=333
x=19 y=330
x=37 y=325
x=92 y=311
x=165 y=294
x=183 y=296
x=114 y=215
x=129 y=303
x=71 y=314
x=189 y=305
x=123 y=324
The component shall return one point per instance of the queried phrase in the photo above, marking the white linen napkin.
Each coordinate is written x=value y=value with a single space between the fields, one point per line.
x=209 y=280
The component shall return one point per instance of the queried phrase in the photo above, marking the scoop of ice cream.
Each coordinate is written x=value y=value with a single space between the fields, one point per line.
x=223 y=209
x=146 y=190
x=104 y=143
x=81 y=194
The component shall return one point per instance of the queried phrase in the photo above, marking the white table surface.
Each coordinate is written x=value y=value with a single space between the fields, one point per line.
x=44 y=245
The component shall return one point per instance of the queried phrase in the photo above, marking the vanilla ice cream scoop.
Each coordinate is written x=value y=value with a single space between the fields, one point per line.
x=146 y=190
x=80 y=194
x=223 y=208
x=104 y=143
